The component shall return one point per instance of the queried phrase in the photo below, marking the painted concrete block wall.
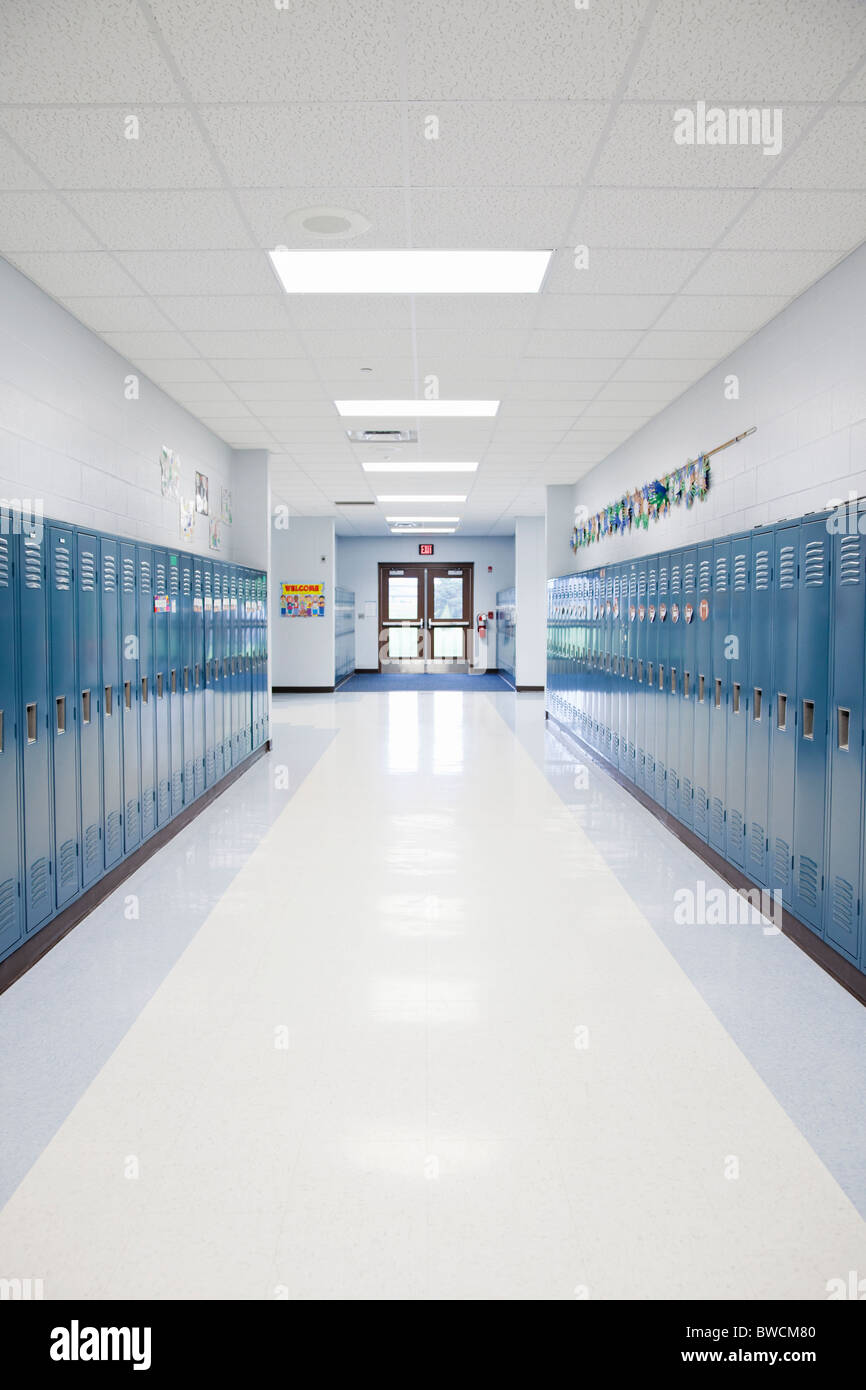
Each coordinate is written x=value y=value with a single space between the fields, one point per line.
x=559 y=521
x=358 y=569
x=530 y=584
x=70 y=437
x=802 y=382
x=302 y=649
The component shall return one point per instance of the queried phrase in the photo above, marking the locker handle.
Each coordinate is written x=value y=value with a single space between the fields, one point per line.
x=32 y=730
x=144 y=690
x=782 y=712
x=127 y=694
x=2 y=742
x=687 y=679
x=186 y=678
x=718 y=695
x=60 y=705
x=673 y=680
x=735 y=698
x=843 y=724
x=108 y=701
x=809 y=719
x=173 y=681
x=197 y=675
x=85 y=706
x=661 y=676
x=159 y=690
x=757 y=697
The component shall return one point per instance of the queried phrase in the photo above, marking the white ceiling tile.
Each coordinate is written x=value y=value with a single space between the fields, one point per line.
x=40 y=222
x=293 y=144
x=15 y=172
x=518 y=51
x=500 y=143
x=747 y=54
x=239 y=369
x=631 y=271
x=124 y=313
x=641 y=151
x=63 y=273
x=231 y=52
x=599 y=311
x=721 y=312
x=438 y=345
x=271 y=214
x=551 y=369
x=142 y=346
x=706 y=343
x=592 y=344
x=240 y=344
x=760 y=272
x=255 y=392
x=94 y=50
x=831 y=156
x=171 y=371
x=681 y=370
x=150 y=221
x=200 y=393
x=200 y=272
x=86 y=147
x=647 y=217
x=226 y=312
x=793 y=220
x=656 y=393
x=503 y=218
x=364 y=345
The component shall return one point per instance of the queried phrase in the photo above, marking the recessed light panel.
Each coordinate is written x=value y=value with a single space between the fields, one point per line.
x=409 y=271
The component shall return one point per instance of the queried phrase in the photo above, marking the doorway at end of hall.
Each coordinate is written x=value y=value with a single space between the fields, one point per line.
x=425 y=618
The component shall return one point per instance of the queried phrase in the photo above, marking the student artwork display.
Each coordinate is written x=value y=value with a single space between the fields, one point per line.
x=302 y=600
x=169 y=472
x=226 y=506
x=187 y=518
x=654 y=500
x=215 y=535
x=201 y=499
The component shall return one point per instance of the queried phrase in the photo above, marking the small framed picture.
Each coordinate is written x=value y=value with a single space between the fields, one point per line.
x=226 y=506
x=215 y=536
x=187 y=518
x=201 y=505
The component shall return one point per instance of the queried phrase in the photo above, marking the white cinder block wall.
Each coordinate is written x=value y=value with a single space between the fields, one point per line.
x=302 y=649
x=802 y=381
x=69 y=437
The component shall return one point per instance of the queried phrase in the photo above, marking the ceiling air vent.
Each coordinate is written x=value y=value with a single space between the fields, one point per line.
x=354 y=504
x=383 y=436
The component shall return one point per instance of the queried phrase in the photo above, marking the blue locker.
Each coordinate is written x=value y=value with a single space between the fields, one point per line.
x=631 y=672
x=845 y=810
x=219 y=672
x=760 y=716
x=608 y=664
x=176 y=695
x=236 y=582
x=688 y=624
x=112 y=745
x=650 y=676
x=813 y=642
x=35 y=729
x=640 y=676
x=162 y=685
x=63 y=713
x=783 y=713
x=89 y=706
x=129 y=705
x=198 y=685
x=11 y=918
x=703 y=691
x=248 y=664
x=187 y=677
x=147 y=689
x=720 y=691
x=738 y=701
x=227 y=678
x=210 y=773
x=662 y=627
x=673 y=683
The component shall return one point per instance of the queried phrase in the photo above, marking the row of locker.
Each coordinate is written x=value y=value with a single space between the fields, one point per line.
x=134 y=679
x=726 y=680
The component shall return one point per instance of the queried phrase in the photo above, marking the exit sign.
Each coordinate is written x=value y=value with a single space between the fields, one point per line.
x=425 y=550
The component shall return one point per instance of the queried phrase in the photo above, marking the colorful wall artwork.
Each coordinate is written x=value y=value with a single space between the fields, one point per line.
x=302 y=600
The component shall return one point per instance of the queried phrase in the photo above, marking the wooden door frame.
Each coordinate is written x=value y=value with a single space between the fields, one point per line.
x=424 y=563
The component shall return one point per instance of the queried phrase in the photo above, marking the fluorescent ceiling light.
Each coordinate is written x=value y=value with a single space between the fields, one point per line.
x=416 y=409
x=421 y=497
x=411 y=466
x=410 y=271
x=399 y=520
x=423 y=530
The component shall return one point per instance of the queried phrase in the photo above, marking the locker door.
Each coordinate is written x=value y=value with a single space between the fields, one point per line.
x=129 y=704
x=35 y=729
x=688 y=621
x=187 y=676
x=739 y=698
x=112 y=746
x=228 y=666
x=11 y=917
x=703 y=690
x=640 y=677
x=631 y=672
x=237 y=674
x=63 y=712
x=844 y=903
x=613 y=673
x=248 y=665
x=720 y=691
x=209 y=683
x=89 y=702
x=221 y=686
x=783 y=713
x=198 y=701
x=813 y=653
x=651 y=675
x=147 y=690
x=608 y=664
x=175 y=682
x=662 y=626
x=673 y=683
x=162 y=684
x=760 y=707
x=266 y=674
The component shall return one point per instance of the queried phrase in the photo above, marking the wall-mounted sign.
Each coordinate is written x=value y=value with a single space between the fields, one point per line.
x=302 y=600
x=426 y=549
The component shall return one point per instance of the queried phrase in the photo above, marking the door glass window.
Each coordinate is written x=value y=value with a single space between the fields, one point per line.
x=402 y=642
x=402 y=597
x=447 y=643
x=447 y=596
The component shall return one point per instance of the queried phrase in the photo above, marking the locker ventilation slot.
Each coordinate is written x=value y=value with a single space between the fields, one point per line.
x=849 y=560
x=91 y=846
x=164 y=800
x=144 y=575
x=160 y=578
x=721 y=574
x=88 y=571
x=689 y=576
x=756 y=845
x=809 y=719
x=814 y=564
x=32 y=564
x=174 y=583
x=652 y=583
x=740 y=574
x=8 y=906
x=843 y=721
x=782 y=863
x=131 y=821
x=762 y=569
x=787 y=567
x=128 y=574
x=187 y=589
x=112 y=834
x=807 y=884
x=676 y=575
x=704 y=576
x=38 y=886
x=67 y=861
x=735 y=829
x=109 y=572
x=4 y=563
x=663 y=581
x=843 y=905
x=62 y=568
x=718 y=817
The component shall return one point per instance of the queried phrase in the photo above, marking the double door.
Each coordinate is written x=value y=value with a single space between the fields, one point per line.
x=425 y=618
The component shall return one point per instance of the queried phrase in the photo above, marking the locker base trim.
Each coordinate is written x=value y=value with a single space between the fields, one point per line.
x=35 y=947
x=843 y=972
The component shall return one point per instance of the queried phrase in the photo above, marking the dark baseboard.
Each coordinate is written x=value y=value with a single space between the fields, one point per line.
x=33 y=948
x=842 y=971
x=366 y=671
x=302 y=689
x=528 y=687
